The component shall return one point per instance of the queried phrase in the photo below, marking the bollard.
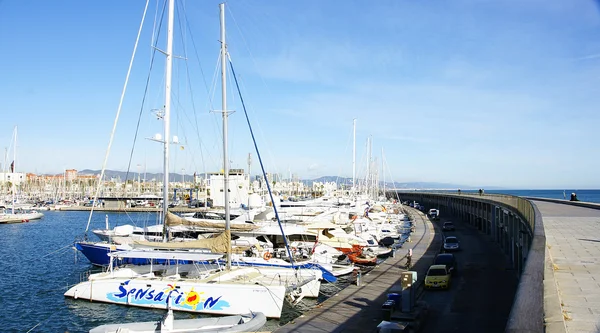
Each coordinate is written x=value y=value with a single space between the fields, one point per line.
x=357 y=275
x=397 y=298
x=387 y=308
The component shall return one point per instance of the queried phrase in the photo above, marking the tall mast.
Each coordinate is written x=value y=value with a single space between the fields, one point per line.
x=225 y=115
x=353 y=155
x=372 y=176
x=368 y=179
x=13 y=167
x=382 y=171
x=167 y=116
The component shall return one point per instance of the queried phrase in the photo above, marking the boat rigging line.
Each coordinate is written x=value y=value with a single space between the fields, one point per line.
x=285 y=240
x=114 y=129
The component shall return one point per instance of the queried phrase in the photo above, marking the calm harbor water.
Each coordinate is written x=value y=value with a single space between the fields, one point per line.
x=39 y=264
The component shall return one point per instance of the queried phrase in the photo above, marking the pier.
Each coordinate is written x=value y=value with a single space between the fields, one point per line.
x=572 y=271
x=530 y=265
x=553 y=247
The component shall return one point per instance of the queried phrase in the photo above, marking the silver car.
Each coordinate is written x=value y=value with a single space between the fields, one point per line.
x=451 y=243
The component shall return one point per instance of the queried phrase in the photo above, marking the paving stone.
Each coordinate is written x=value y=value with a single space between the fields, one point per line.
x=573 y=240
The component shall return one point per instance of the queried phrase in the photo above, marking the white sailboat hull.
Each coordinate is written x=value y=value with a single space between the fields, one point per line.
x=209 y=298
x=20 y=217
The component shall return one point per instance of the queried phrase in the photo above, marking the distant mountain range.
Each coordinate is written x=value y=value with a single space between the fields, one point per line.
x=176 y=177
x=403 y=185
x=122 y=175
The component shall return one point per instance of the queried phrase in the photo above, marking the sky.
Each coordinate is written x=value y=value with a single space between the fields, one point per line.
x=476 y=93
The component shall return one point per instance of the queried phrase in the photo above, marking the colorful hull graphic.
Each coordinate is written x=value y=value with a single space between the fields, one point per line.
x=210 y=298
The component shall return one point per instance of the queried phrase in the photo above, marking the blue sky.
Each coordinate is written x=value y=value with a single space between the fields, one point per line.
x=479 y=93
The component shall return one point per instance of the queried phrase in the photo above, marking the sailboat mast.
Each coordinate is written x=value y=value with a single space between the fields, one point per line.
x=13 y=166
x=225 y=116
x=167 y=116
x=368 y=179
x=383 y=171
x=353 y=155
x=372 y=175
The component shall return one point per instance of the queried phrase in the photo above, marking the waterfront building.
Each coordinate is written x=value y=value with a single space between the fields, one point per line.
x=239 y=188
x=15 y=178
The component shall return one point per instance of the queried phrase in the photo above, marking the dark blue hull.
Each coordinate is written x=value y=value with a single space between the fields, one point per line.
x=97 y=254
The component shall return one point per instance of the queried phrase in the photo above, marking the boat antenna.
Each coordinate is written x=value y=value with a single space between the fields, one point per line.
x=225 y=116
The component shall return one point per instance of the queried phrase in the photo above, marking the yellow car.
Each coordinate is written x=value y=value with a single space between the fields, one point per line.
x=437 y=277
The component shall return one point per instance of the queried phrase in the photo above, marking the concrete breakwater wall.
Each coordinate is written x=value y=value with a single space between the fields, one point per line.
x=517 y=227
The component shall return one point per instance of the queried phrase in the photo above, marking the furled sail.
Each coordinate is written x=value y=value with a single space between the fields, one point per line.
x=174 y=220
x=219 y=244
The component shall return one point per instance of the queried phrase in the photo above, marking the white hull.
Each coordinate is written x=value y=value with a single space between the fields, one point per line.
x=20 y=217
x=310 y=289
x=250 y=323
x=216 y=298
x=239 y=291
x=339 y=270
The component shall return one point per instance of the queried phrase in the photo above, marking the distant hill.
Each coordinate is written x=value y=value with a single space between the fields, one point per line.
x=175 y=177
x=122 y=175
x=397 y=185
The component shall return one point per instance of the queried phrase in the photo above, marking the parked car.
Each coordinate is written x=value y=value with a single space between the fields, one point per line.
x=451 y=243
x=434 y=214
x=448 y=226
x=437 y=277
x=195 y=203
x=448 y=260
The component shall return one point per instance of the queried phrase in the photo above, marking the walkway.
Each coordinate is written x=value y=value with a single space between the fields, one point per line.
x=358 y=309
x=573 y=243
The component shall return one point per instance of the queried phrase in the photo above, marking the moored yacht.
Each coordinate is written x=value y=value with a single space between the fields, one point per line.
x=196 y=287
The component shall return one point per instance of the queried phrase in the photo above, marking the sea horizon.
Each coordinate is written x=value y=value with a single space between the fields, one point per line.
x=585 y=195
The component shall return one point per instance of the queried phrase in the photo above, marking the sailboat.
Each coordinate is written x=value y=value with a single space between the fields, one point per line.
x=194 y=286
x=250 y=322
x=16 y=215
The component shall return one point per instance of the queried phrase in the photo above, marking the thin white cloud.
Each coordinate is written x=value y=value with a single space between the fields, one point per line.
x=588 y=57
x=313 y=167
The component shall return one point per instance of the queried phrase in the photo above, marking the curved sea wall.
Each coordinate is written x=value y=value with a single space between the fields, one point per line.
x=516 y=225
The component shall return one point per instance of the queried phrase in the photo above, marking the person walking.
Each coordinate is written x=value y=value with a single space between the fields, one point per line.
x=409 y=258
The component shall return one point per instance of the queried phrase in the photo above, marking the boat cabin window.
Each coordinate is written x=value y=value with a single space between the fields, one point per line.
x=302 y=238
